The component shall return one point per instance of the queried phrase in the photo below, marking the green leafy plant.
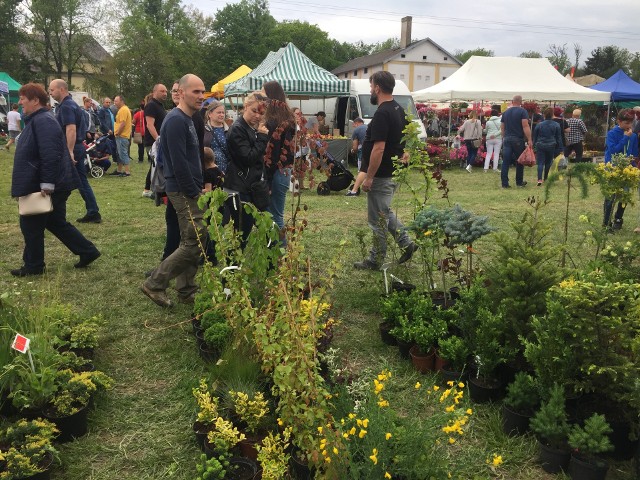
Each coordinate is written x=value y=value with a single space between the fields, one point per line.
x=455 y=351
x=273 y=456
x=207 y=404
x=252 y=411
x=427 y=333
x=593 y=438
x=75 y=389
x=27 y=443
x=488 y=347
x=218 y=336
x=550 y=422
x=224 y=436
x=394 y=306
x=522 y=394
x=212 y=317
x=211 y=468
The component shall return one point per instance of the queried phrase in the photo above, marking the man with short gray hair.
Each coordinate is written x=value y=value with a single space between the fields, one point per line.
x=575 y=137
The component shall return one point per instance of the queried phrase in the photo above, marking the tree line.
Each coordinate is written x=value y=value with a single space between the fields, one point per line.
x=155 y=41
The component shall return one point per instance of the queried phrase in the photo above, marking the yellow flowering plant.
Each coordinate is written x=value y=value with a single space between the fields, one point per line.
x=207 y=404
x=27 y=443
x=618 y=179
x=76 y=389
x=273 y=456
x=252 y=411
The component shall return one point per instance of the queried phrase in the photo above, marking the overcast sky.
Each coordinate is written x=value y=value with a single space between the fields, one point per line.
x=506 y=27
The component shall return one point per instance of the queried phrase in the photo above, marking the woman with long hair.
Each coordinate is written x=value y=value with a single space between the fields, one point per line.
x=281 y=123
x=471 y=132
x=247 y=141
x=139 y=127
x=215 y=134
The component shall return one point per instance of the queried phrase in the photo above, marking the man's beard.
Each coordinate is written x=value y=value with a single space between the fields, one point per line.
x=373 y=99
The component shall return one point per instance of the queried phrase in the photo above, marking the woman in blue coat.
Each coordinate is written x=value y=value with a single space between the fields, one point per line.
x=42 y=164
x=547 y=138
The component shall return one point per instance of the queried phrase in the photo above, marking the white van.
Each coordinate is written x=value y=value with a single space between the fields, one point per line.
x=358 y=104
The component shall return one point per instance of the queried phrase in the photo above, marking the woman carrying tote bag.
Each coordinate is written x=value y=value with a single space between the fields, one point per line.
x=471 y=132
x=42 y=165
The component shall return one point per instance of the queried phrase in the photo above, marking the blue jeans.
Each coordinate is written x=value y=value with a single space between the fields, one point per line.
x=279 y=188
x=122 y=144
x=512 y=148
x=544 y=159
x=84 y=188
x=33 y=227
x=471 y=152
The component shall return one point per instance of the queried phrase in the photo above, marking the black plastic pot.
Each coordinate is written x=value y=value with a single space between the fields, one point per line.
x=449 y=375
x=71 y=426
x=514 y=423
x=207 y=353
x=485 y=390
x=241 y=468
x=200 y=430
x=584 y=469
x=387 y=338
x=45 y=465
x=553 y=460
x=403 y=348
x=197 y=325
x=300 y=468
x=623 y=448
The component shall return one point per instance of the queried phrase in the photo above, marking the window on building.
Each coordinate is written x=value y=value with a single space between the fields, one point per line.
x=428 y=78
x=444 y=78
x=366 y=70
x=446 y=58
x=346 y=75
x=402 y=76
x=355 y=72
x=402 y=55
x=419 y=77
x=424 y=57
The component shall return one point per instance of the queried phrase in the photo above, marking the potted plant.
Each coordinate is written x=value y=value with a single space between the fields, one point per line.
x=519 y=404
x=211 y=468
x=253 y=412
x=207 y=412
x=392 y=308
x=403 y=333
x=426 y=335
x=551 y=429
x=68 y=407
x=489 y=352
x=26 y=450
x=272 y=455
x=454 y=352
x=588 y=443
x=216 y=338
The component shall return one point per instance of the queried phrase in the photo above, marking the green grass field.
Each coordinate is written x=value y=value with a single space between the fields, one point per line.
x=142 y=429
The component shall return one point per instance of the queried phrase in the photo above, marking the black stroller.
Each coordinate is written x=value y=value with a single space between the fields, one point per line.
x=98 y=153
x=338 y=176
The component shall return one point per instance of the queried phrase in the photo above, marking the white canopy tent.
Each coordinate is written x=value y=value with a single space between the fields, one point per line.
x=500 y=78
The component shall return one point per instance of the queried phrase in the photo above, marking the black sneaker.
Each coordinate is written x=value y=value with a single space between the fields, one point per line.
x=617 y=224
x=26 y=272
x=86 y=260
x=95 y=218
x=523 y=184
x=408 y=253
x=115 y=173
x=366 y=264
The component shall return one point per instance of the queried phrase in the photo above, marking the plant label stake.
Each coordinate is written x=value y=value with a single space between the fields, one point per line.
x=21 y=344
x=385 y=267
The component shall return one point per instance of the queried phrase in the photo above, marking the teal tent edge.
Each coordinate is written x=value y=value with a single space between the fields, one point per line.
x=14 y=86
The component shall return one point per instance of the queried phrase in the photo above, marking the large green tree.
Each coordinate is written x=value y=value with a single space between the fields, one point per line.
x=12 y=59
x=530 y=54
x=463 y=56
x=605 y=61
x=159 y=41
x=559 y=58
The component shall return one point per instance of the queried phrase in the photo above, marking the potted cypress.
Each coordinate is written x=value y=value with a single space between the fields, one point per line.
x=588 y=443
x=519 y=404
x=552 y=429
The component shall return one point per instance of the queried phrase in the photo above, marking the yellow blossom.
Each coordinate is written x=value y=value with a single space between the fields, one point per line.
x=436 y=388
x=497 y=460
x=428 y=233
x=352 y=431
x=383 y=403
x=418 y=385
x=345 y=435
x=387 y=475
x=452 y=440
x=327 y=459
x=352 y=416
x=280 y=422
x=387 y=436
x=450 y=408
x=469 y=411
x=450 y=383
x=374 y=457
x=362 y=433
x=335 y=450
x=320 y=430
x=365 y=423
x=461 y=385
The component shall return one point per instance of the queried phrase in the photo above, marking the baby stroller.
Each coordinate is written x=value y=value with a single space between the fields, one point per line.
x=338 y=179
x=98 y=153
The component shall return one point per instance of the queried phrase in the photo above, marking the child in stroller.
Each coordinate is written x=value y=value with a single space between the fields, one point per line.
x=338 y=177
x=98 y=155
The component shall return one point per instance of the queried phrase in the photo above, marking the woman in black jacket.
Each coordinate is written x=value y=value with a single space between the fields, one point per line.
x=247 y=142
x=42 y=164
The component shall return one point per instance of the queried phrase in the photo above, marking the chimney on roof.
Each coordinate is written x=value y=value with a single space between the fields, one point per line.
x=405 y=32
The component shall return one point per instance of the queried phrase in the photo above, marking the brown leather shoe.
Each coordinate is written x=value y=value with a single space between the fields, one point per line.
x=159 y=297
x=189 y=299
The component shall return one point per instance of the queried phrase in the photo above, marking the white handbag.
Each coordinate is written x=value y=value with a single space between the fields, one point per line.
x=35 y=204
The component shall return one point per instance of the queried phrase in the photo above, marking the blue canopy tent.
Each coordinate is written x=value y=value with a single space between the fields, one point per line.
x=621 y=86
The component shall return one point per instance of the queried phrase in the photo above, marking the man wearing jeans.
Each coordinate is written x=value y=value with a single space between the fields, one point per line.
x=184 y=182
x=75 y=124
x=382 y=142
x=515 y=129
x=123 y=134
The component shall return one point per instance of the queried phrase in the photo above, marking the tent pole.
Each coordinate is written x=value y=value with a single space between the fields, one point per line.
x=608 y=117
x=449 y=133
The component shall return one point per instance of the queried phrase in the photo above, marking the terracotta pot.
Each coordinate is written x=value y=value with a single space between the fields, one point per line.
x=438 y=362
x=422 y=362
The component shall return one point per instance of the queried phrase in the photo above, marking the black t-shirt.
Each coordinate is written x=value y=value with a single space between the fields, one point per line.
x=385 y=126
x=213 y=176
x=155 y=110
x=563 y=126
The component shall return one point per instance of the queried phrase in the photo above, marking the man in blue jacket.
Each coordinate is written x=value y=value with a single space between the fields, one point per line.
x=105 y=117
x=184 y=182
x=75 y=124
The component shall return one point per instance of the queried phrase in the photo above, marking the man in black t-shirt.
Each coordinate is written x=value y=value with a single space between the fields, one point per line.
x=154 y=114
x=382 y=142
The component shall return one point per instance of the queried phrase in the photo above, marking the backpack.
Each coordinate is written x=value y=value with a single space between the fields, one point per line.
x=158 y=182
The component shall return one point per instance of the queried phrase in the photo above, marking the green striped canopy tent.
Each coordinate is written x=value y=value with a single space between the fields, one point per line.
x=293 y=70
x=12 y=88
